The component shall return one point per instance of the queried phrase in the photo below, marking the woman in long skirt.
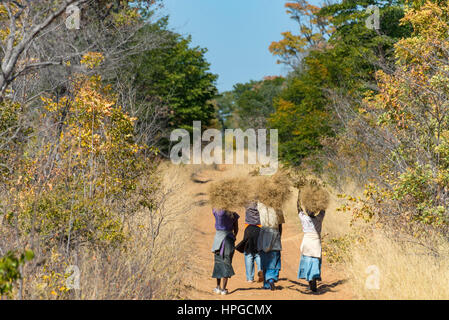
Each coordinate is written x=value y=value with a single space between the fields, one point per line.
x=226 y=225
x=311 y=216
x=269 y=244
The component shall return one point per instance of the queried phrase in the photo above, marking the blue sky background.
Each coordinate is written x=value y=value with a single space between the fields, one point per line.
x=236 y=33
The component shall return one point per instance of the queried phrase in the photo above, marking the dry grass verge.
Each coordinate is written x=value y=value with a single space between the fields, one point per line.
x=150 y=263
x=404 y=269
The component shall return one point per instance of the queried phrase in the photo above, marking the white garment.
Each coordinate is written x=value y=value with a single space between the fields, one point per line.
x=310 y=224
x=269 y=217
x=311 y=243
x=269 y=236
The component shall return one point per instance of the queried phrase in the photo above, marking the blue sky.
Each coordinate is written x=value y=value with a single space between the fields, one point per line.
x=237 y=34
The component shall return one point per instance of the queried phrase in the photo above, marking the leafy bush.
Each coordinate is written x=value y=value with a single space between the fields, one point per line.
x=79 y=184
x=408 y=124
x=9 y=269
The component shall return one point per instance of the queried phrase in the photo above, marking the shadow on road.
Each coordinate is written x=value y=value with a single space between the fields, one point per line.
x=200 y=194
x=195 y=179
x=200 y=203
x=322 y=288
x=247 y=289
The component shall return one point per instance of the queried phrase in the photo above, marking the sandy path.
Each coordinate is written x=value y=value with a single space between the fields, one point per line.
x=333 y=286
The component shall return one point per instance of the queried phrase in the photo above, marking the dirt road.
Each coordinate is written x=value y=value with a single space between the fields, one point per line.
x=333 y=286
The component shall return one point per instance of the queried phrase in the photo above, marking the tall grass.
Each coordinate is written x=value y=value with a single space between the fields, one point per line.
x=406 y=269
x=149 y=264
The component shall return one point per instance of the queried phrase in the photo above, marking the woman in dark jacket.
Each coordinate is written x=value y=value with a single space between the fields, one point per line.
x=251 y=253
x=249 y=243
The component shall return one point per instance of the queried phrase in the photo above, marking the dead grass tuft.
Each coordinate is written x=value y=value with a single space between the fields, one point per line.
x=230 y=194
x=313 y=198
x=273 y=191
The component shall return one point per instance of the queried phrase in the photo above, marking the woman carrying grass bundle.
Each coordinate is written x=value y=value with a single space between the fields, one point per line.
x=312 y=203
x=226 y=226
x=225 y=195
x=271 y=193
x=269 y=244
x=248 y=246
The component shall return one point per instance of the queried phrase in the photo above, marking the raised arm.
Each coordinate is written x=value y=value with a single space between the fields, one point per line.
x=236 y=226
x=321 y=214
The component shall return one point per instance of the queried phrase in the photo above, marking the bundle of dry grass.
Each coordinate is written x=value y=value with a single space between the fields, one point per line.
x=230 y=194
x=313 y=198
x=273 y=191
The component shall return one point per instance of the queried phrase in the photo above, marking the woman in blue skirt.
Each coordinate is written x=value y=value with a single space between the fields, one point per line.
x=312 y=203
x=269 y=244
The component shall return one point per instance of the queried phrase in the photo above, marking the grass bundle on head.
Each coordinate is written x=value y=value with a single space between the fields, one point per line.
x=230 y=194
x=313 y=198
x=273 y=191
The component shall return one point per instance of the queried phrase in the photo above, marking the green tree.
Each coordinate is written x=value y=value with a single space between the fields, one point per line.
x=254 y=101
x=225 y=104
x=301 y=118
x=179 y=76
x=339 y=58
x=9 y=269
x=250 y=104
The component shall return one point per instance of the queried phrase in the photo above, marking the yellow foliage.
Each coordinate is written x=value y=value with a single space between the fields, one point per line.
x=92 y=59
